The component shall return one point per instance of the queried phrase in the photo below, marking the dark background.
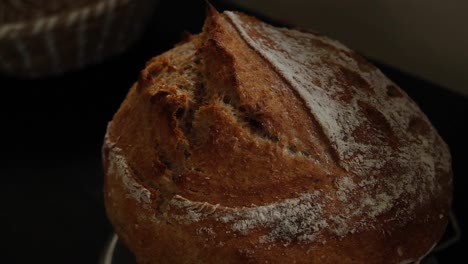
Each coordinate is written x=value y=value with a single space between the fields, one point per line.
x=51 y=205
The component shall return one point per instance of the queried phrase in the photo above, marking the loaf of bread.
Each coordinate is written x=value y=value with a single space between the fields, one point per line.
x=249 y=143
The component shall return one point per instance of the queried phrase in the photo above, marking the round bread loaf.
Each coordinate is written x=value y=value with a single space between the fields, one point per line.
x=250 y=143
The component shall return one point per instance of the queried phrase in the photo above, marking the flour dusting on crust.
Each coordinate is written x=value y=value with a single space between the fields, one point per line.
x=380 y=136
x=118 y=166
x=299 y=217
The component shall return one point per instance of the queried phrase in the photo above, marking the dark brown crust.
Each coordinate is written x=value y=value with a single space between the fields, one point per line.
x=212 y=121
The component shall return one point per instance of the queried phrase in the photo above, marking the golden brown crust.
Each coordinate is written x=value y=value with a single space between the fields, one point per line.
x=215 y=156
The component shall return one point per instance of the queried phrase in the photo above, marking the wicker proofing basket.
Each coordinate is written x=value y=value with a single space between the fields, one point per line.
x=66 y=41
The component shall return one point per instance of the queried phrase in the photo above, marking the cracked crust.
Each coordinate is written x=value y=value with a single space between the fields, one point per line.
x=215 y=156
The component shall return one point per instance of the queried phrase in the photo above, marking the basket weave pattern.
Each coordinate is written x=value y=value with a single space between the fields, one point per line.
x=71 y=40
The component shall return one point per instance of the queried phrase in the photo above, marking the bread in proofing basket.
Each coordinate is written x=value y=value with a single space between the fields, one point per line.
x=250 y=143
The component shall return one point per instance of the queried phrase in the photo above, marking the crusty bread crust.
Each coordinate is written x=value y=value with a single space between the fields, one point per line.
x=254 y=144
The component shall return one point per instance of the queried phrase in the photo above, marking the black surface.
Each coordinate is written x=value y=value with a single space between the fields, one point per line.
x=51 y=207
